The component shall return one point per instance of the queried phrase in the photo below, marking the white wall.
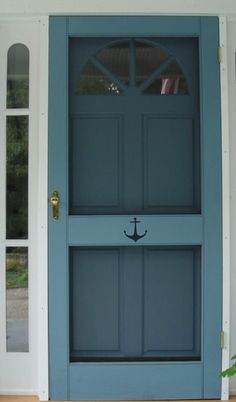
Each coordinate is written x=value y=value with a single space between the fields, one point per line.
x=181 y=7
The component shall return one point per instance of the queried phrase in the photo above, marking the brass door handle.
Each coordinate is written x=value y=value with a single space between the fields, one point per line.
x=55 y=201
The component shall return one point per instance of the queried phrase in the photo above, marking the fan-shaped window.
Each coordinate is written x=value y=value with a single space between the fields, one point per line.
x=170 y=81
x=120 y=66
x=116 y=58
x=18 y=76
x=148 y=59
x=93 y=81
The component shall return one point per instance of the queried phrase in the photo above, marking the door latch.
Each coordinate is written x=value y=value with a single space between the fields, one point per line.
x=55 y=201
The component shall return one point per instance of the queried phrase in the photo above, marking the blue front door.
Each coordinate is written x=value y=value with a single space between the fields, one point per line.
x=135 y=254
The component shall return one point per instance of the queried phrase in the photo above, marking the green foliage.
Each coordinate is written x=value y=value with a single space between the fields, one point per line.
x=231 y=370
x=18 y=93
x=17 y=176
x=16 y=280
x=97 y=86
x=16 y=270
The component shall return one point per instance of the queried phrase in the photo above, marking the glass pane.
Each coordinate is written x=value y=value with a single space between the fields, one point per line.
x=17 y=177
x=116 y=59
x=93 y=82
x=17 y=299
x=18 y=77
x=170 y=82
x=148 y=59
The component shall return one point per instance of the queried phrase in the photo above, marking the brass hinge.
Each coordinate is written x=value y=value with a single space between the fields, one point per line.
x=219 y=54
x=222 y=339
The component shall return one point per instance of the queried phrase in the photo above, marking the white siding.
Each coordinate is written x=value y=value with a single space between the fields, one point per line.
x=156 y=7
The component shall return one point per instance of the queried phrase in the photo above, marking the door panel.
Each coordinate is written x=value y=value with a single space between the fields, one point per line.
x=172 y=303
x=169 y=162
x=127 y=302
x=95 y=301
x=135 y=257
x=95 y=186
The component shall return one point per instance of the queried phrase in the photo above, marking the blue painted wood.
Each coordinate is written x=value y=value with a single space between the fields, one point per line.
x=170 y=277
x=134 y=26
x=118 y=185
x=127 y=302
x=135 y=381
x=143 y=380
x=95 y=185
x=58 y=256
x=95 y=301
x=109 y=230
x=211 y=181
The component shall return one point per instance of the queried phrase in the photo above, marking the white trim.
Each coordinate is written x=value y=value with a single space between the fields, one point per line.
x=231 y=47
x=17 y=112
x=17 y=243
x=43 y=384
x=225 y=203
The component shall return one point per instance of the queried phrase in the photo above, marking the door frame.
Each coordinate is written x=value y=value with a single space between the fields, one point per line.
x=190 y=26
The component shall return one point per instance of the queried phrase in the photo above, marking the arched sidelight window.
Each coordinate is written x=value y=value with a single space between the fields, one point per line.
x=17 y=126
x=18 y=76
x=132 y=63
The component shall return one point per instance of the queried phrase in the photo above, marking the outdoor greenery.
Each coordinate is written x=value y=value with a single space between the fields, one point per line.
x=16 y=270
x=17 y=177
x=231 y=370
x=97 y=86
x=18 y=93
x=17 y=166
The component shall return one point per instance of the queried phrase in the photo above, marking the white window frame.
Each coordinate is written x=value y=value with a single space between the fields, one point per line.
x=19 y=371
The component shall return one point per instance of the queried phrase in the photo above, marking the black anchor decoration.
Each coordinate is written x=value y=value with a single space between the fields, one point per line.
x=135 y=236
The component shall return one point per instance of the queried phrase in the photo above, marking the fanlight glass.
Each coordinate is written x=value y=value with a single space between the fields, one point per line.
x=94 y=82
x=117 y=67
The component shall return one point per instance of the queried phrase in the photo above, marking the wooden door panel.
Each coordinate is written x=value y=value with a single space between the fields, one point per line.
x=172 y=303
x=96 y=164
x=94 y=301
x=170 y=171
x=126 y=303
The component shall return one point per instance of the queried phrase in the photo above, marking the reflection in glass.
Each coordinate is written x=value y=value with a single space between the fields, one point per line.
x=148 y=59
x=93 y=82
x=18 y=76
x=17 y=177
x=116 y=59
x=17 y=299
x=170 y=82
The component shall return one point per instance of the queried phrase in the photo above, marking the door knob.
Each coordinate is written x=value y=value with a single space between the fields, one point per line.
x=55 y=201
